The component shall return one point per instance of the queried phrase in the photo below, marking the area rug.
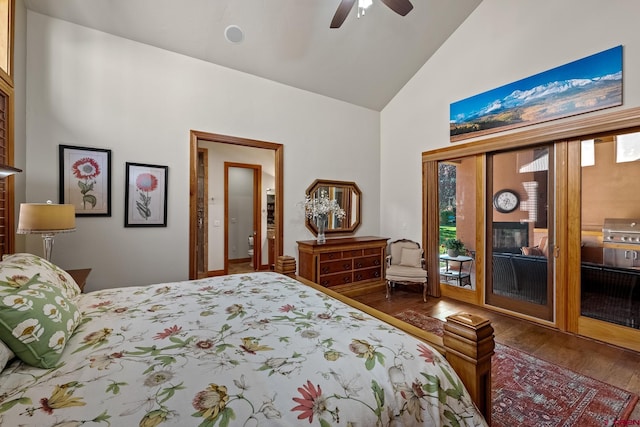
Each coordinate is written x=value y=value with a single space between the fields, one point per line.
x=527 y=391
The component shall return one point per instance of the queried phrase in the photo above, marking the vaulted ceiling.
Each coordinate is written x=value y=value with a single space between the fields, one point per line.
x=364 y=62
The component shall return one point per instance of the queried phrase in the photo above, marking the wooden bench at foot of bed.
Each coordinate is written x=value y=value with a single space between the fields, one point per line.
x=467 y=345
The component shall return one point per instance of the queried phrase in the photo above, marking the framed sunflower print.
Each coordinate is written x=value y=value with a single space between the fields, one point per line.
x=85 y=179
x=145 y=195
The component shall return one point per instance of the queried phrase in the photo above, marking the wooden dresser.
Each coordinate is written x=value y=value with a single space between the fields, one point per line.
x=350 y=265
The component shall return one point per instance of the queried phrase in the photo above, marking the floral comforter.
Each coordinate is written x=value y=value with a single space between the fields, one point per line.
x=249 y=350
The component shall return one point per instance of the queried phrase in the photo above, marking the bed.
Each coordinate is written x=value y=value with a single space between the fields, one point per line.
x=259 y=349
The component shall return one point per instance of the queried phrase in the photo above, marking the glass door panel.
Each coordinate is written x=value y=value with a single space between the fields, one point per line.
x=610 y=230
x=519 y=232
x=457 y=230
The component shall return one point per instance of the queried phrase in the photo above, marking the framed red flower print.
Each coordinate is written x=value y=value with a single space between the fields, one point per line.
x=145 y=195
x=85 y=179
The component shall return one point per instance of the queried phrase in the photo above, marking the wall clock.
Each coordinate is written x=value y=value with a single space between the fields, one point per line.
x=506 y=201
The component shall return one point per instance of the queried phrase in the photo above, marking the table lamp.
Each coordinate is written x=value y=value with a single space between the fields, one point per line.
x=6 y=170
x=47 y=219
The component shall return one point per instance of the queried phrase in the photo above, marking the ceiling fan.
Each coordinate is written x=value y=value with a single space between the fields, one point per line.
x=401 y=7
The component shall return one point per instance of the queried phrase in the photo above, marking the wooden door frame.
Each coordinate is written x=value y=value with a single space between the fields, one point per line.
x=257 y=209
x=193 y=187
x=205 y=214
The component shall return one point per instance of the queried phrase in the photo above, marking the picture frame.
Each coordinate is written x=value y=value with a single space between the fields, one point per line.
x=85 y=179
x=582 y=86
x=145 y=195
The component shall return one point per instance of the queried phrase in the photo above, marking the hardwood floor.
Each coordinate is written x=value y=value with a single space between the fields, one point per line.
x=607 y=363
x=240 y=267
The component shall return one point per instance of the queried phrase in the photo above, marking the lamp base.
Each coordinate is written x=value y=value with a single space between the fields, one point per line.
x=47 y=243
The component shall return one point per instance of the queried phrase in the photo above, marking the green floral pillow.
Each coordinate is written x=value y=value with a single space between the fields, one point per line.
x=16 y=269
x=36 y=320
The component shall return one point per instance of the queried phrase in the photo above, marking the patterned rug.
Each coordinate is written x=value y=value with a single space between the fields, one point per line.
x=528 y=391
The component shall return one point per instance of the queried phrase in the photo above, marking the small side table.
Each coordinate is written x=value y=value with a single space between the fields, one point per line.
x=461 y=276
x=80 y=276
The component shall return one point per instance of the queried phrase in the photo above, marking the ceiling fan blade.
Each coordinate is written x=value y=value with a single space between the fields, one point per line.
x=341 y=13
x=401 y=7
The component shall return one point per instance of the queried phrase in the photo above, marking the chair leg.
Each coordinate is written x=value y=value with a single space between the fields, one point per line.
x=424 y=292
x=388 y=288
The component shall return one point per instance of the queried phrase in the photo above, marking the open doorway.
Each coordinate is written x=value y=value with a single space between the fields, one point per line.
x=242 y=217
x=214 y=197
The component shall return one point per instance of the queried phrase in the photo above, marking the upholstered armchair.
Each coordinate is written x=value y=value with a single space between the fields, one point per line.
x=405 y=265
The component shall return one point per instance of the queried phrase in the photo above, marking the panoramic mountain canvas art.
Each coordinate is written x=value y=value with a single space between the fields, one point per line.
x=581 y=86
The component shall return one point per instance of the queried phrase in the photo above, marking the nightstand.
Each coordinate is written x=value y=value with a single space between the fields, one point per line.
x=80 y=276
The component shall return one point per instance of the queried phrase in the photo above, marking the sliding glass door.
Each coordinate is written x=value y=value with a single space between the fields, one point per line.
x=610 y=238
x=519 y=231
x=457 y=227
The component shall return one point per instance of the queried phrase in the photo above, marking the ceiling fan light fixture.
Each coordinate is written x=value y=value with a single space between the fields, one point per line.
x=401 y=7
x=363 y=5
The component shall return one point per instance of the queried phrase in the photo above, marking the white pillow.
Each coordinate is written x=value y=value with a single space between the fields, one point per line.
x=411 y=257
x=18 y=269
x=5 y=355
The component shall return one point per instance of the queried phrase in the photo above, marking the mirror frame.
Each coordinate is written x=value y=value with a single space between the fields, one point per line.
x=350 y=185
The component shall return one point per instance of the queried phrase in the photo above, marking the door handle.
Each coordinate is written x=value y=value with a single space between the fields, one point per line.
x=556 y=251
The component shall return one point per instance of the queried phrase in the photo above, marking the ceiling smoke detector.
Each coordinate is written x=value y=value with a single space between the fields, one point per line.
x=234 y=34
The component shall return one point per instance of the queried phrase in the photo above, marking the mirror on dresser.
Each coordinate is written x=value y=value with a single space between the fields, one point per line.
x=348 y=196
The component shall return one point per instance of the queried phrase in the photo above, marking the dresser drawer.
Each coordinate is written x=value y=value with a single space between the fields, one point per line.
x=330 y=256
x=372 y=251
x=371 y=261
x=329 y=267
x=352 y=253
x=335 y=279
x=368 y=274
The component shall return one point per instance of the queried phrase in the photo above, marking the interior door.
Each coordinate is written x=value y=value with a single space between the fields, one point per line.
x=520 y=231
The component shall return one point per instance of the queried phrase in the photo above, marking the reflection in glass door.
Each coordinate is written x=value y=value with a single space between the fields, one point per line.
x=610 y=235
x=520 y=232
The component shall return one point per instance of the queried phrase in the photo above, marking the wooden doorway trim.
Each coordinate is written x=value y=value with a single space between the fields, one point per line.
x=193 y=186
x=202 y=240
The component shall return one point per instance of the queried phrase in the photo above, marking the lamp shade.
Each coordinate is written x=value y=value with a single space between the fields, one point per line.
x=42 y=218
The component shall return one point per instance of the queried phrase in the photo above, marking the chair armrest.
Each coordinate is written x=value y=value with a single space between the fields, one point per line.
x=388 y=260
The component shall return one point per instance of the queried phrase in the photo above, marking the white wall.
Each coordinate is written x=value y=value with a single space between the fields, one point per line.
x=502 y=41
x=88 y=88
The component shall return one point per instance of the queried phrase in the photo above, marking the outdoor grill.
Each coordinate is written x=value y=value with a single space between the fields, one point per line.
x=621 y=242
